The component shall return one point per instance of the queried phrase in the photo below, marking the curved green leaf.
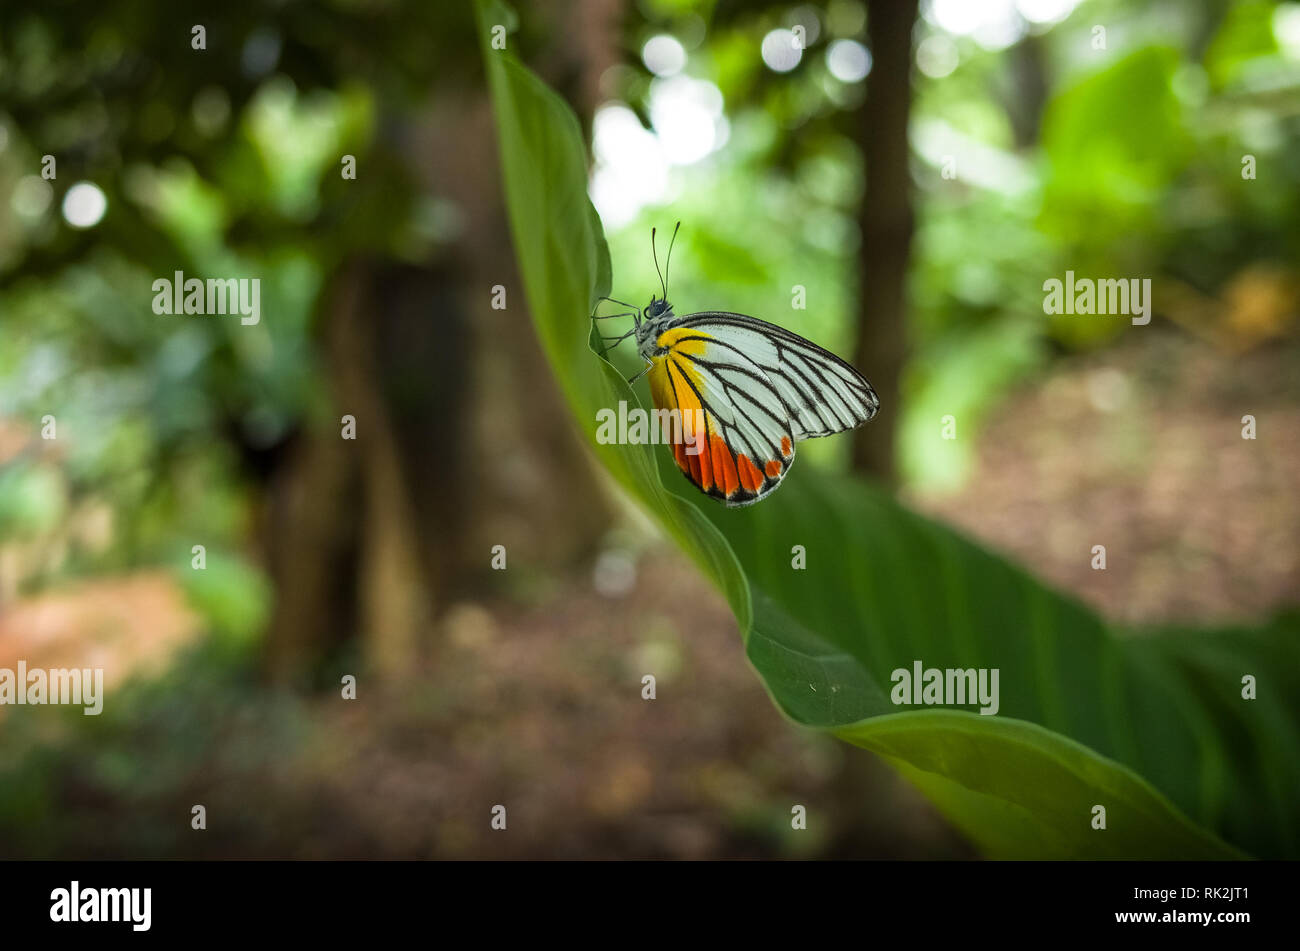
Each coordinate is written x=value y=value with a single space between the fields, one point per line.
x=1145 y=727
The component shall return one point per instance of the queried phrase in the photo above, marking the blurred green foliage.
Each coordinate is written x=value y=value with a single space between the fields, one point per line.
x=1086 y=717
x=216 y=162
x=1118 y=161
x=225 y=161
x=1133 y=168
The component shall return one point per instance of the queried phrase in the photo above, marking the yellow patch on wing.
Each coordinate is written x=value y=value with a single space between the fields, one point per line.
x=673 y=338
x=671 y=380
x=674 y=384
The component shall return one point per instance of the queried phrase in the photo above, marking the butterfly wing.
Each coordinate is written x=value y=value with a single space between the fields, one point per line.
x=821 y=393
x=735 y=441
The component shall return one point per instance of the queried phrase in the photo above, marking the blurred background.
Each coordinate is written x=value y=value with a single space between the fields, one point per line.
x=917 y=170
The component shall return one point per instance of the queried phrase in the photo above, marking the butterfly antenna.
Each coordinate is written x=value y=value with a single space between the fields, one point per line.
x=668 y=261
x=656 y=257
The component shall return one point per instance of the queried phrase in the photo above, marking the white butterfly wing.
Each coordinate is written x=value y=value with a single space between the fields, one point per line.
x=820 y=393
x=747 y=445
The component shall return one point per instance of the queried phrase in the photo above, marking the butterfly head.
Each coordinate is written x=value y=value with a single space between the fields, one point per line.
x=657 y=309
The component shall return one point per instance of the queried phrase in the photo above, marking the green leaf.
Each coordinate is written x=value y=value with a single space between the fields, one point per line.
x=1142 y=726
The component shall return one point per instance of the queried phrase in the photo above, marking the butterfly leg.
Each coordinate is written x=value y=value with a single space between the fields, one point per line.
x=633 y=313
x=605 y=338
x=621 y=303
x=638 y=376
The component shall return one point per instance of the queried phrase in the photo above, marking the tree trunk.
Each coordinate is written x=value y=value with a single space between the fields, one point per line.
x=886 y=223
x=463 y=441
x=345 y=546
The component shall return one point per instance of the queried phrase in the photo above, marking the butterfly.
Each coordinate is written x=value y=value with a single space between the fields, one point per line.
x=745 y=391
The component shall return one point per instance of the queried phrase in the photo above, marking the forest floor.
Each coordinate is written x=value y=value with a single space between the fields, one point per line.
x=1140 y=449
x=538 y=706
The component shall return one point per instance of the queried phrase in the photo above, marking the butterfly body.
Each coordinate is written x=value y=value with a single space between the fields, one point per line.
x=745 y=391
x=657 y=317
